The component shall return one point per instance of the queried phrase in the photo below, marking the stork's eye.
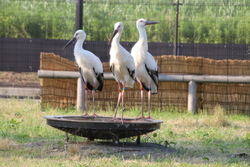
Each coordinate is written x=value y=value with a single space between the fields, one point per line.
x=141 y=20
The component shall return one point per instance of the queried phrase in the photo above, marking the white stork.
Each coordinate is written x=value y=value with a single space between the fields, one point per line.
x=90 y=66
x=121 y=64
x=146 y=70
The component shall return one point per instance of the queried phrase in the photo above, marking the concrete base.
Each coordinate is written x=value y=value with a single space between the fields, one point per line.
x=20 y=92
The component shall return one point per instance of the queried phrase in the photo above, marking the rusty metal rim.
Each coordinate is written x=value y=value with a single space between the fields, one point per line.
x=126 y=120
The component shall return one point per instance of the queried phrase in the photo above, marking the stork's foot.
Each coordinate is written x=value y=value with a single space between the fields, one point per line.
x=95 y=115
x=114 y=119
x=149 y=117
x=141 y=118
x=122 y=120
x=85 y=115
x=117 y=120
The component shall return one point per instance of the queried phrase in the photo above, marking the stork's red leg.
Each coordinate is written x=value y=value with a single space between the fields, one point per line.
x=142 y=102
x=122 y=94
x=86 y=102
x=118 y=101
x=93 y=99
x=149 y=103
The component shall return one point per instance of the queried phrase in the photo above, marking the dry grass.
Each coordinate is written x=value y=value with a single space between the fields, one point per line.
x=27 y=79
x=217 y=119
x=7 y=144
x=74 y=149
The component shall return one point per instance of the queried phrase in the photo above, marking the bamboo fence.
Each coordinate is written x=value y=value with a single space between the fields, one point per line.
x=57 y=92
x=234 y=98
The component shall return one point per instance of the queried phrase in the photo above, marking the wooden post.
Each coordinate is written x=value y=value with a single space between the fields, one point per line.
x=80 y=94
x=192 y=87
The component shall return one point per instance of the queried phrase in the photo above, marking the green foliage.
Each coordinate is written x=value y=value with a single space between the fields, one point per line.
x=35 y=19
x=200 y=21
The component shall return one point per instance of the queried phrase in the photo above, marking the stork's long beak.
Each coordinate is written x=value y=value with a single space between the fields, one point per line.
x=114 y=33
x=70 y=42
x=151 y=22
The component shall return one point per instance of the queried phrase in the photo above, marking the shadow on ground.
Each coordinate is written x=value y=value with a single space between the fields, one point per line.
x=125 y=150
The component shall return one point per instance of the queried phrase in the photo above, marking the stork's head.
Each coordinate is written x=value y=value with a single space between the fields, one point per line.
x=143 y=23
x=79 y=34
x=118 y=27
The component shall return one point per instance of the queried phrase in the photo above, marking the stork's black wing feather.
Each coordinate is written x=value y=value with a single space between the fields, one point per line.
x=99 y=77
x=89 y=86
x=153 y=74
x=131 y=73
x=112 y=69
x=100 y=80
x=80 y=71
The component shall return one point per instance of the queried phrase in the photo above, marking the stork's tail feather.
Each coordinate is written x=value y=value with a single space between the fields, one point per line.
x=100 y=87
x=145 y=86
x=100 y=80
x=153 y=92
x=89 y=86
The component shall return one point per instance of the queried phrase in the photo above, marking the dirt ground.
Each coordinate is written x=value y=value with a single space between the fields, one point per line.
x=126 y=150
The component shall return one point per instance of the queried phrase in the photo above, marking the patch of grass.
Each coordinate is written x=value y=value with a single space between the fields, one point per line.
x=199 y=140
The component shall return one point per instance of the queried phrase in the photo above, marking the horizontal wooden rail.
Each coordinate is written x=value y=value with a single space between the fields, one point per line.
x=162 y=77
x=190 y=79
x=67 y=74
x=204 y=78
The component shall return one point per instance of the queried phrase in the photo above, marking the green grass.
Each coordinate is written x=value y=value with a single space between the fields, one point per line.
x=199 y=140
x=200 y=21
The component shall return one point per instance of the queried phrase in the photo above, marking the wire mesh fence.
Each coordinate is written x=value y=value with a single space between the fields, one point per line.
x=22 y=55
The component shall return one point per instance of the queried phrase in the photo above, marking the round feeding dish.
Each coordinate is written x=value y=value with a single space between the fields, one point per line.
x=103 y=127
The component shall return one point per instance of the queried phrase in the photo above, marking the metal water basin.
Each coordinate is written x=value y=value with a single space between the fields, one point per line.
x=103 y=127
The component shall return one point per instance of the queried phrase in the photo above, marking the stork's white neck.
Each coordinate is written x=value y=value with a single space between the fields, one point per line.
x=143 y=36
x=78 y=45
x=116 y=38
